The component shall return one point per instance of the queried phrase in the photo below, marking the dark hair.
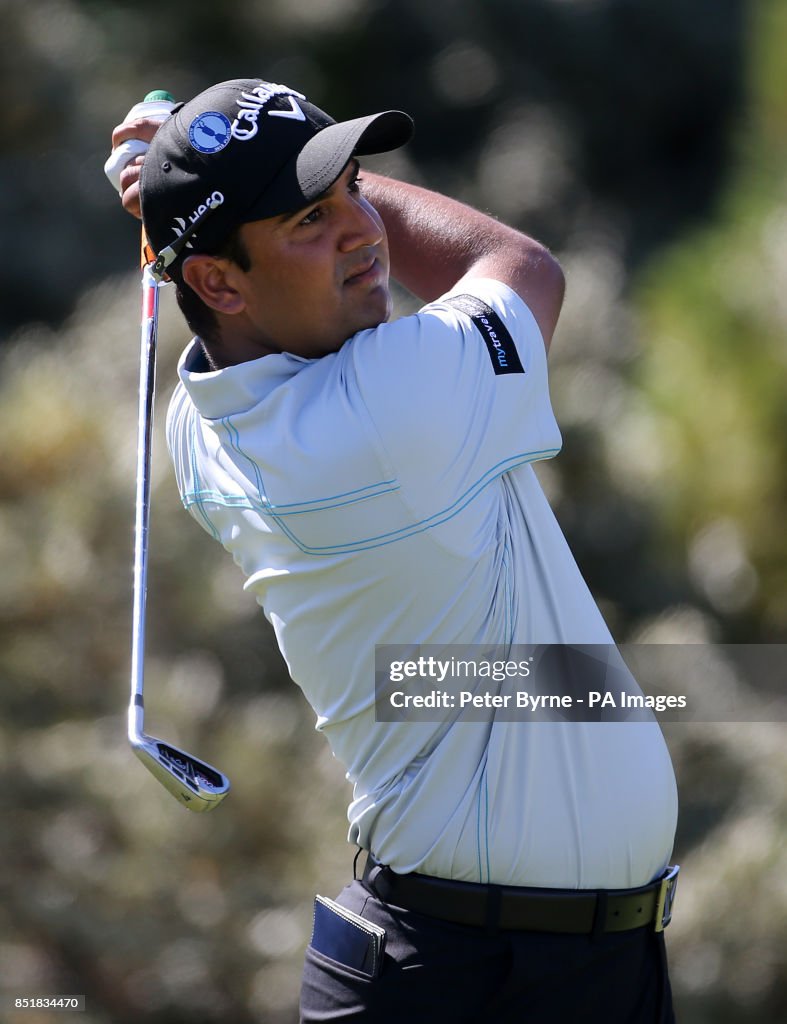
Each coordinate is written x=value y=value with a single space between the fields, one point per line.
x=200 y=317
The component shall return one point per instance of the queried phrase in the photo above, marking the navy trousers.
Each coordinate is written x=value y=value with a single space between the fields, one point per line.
x=436 y=971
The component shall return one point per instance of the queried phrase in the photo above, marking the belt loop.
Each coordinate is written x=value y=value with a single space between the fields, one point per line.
x=375 y=879
x=600 y=916
x=493 y=900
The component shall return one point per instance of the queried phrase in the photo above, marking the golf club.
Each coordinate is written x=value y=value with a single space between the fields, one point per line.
x=197 y=785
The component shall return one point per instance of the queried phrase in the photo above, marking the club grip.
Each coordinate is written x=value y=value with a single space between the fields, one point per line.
x=156 y=106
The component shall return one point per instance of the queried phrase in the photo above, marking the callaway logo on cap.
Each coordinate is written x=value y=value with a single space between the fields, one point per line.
x=242 y=151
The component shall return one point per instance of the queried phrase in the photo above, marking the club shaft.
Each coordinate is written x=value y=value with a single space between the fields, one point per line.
x=147 y=388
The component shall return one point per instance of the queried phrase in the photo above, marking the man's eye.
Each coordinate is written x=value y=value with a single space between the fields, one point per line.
x=312 y=216
x=355 y=183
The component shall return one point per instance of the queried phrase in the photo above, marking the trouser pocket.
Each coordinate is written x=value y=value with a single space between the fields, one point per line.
x=346 y=938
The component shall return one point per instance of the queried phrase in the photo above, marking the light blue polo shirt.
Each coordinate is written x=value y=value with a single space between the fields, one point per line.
x=384 y=494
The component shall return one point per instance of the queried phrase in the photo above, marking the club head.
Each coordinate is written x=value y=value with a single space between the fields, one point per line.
x=197 y=785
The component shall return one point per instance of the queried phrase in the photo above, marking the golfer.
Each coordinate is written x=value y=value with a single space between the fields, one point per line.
x=373 y=481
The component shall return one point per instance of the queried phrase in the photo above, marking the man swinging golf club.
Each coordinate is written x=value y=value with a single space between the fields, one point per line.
x=373 y=481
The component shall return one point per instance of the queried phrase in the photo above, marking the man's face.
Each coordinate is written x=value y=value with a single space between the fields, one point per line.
x=316 y=276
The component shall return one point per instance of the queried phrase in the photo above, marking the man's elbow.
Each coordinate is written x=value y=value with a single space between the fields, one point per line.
x=550 y=274
x=542 y=285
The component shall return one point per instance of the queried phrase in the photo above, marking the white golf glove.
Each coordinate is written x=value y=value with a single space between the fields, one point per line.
x=157 y=110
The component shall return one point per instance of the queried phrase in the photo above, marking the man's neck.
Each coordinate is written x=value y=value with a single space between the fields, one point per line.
x=208 y=356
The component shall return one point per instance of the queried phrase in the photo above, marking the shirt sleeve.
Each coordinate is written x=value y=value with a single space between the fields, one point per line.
x=458 y=392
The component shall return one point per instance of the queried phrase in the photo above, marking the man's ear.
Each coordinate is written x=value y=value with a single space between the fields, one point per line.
x=207 y=276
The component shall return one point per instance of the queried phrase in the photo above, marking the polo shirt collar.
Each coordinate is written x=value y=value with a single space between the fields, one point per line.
x=234 y=389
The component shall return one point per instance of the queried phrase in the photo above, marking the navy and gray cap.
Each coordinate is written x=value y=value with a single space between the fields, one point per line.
x=245 y=150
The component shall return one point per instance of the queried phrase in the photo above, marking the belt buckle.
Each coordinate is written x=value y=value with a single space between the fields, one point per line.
x=666 y=898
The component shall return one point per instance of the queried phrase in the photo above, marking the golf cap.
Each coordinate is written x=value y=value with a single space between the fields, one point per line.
x=245 y=150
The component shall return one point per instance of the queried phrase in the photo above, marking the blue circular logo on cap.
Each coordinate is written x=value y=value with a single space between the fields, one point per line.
x=210 y=132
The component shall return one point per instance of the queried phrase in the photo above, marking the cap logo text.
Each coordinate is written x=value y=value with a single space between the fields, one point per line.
x=251 y=104
x=214 y=199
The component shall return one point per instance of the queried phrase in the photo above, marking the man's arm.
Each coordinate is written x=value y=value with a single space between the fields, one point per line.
x=436 y=241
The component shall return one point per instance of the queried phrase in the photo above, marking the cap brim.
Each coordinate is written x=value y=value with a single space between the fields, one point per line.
x=317 y=166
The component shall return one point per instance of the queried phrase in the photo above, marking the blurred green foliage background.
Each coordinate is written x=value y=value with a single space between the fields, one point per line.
x=645 y=142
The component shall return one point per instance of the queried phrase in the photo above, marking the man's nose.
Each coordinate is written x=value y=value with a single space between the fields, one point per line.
x=361 y=225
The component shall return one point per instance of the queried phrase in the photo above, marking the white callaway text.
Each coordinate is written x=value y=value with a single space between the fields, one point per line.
x=251 y=105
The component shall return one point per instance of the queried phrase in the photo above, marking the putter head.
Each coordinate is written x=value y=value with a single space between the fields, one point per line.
x=197 y=785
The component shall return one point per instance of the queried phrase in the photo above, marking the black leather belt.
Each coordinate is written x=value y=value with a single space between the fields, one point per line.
x=577 y=911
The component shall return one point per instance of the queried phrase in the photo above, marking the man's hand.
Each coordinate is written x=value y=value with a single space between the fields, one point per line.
x=142 y=130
